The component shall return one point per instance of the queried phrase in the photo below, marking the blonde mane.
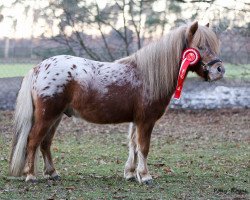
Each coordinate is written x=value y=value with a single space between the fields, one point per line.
x=159 y=62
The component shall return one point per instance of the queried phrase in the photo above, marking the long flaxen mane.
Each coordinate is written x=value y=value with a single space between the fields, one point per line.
x=159 y=62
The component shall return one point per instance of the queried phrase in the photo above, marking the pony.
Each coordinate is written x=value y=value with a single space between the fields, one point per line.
x=135 y=89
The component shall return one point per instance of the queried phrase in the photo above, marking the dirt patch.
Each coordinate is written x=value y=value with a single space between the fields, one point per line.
x=232 y=124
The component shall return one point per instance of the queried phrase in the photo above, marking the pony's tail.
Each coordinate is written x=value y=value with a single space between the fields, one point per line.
x=23 y=122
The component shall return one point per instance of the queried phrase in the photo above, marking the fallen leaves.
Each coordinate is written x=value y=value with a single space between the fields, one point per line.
x=70 y=188
x=118 y=161
x=55 y=149
x=168 y=170
x=159 y=165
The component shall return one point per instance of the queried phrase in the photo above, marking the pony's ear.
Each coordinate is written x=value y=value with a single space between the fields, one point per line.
x=207 y=25
x=191 y=31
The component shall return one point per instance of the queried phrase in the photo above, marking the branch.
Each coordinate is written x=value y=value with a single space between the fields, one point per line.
x=103 y=36
x=108 y=24
x=89 y=51
x=137 y=28
x=125 y=28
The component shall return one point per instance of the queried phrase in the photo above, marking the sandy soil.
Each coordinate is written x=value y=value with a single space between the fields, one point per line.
x=230 y=124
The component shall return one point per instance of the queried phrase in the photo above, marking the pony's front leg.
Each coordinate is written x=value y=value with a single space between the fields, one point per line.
x=129 y=171
x=144 y=131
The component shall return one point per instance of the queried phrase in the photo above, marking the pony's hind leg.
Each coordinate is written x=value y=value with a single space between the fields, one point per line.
x=129 y=171
x=45 y=116
x=143 y=142
x=38 y=132
x=49 y=169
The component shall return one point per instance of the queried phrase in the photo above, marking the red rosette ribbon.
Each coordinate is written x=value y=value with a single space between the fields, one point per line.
x=190 y=57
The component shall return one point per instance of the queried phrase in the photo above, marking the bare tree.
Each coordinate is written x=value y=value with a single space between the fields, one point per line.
x=123 y=26
x=123 y=39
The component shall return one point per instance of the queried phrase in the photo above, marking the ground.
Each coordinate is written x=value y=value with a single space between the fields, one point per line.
x=200 y=154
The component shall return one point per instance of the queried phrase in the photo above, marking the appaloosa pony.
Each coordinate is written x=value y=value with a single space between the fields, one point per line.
x=134 y=89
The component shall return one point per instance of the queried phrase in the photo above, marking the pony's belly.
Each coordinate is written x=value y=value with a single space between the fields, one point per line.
x=114 y=105
x=106 y=115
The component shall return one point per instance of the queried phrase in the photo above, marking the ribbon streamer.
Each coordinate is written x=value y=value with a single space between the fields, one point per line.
x=189 y=57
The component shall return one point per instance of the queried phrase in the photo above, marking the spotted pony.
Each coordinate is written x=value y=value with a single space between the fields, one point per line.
x=135 y=89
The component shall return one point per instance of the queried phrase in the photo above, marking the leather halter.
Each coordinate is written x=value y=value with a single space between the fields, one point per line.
x=206 y=66
x=210 y=64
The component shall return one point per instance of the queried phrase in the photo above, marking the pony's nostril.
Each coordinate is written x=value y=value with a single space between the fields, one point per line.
x=219 y=69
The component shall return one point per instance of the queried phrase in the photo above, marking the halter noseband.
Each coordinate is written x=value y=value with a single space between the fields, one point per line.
x=209 y=64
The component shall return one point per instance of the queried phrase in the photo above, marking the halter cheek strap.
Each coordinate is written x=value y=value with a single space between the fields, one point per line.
x=190 y=57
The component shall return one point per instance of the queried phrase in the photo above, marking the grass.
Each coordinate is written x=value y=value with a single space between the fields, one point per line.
x=13 y=70
x=233 y=71
x=92 y=168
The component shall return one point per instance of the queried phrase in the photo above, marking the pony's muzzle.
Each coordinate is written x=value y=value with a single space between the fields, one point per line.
x=216 y=72
x=221 y=70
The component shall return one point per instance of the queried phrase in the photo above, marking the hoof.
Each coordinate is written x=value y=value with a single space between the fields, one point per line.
x=146 y=179
x=131 y=179
x=31 y=179
x=129 y=176
x=148 y=182
x=55 y=176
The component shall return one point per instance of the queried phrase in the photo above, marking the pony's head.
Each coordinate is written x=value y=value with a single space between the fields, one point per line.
x=203 y=39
